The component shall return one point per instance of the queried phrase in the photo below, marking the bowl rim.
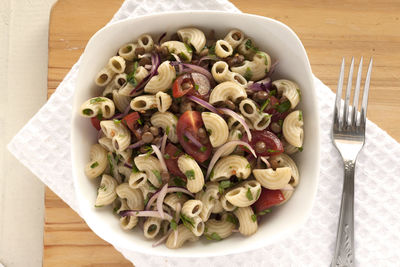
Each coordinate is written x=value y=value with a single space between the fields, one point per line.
x=255 y=245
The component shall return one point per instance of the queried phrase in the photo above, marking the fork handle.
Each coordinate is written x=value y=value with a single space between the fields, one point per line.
x=344 y=249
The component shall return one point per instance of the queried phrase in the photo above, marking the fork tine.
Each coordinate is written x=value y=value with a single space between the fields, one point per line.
x=365 y=96
x=356 y=95
x=336 y=112
x=347 y=97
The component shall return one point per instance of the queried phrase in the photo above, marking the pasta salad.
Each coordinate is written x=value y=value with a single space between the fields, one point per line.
x=194 y=137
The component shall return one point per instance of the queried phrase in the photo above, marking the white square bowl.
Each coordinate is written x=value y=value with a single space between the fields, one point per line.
x=282 y=44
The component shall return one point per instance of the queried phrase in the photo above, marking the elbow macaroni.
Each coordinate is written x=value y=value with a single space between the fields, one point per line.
x=288 y=89
x=167 y=121
x=195 y=178
x=120 y=136
x=256 y=69
x=229 y=166
x=194 y=37
x=151 y=166
x=223 y=49
x=163 y=80
x=98 y=105
x=227 y=91
x=245 y=194
x=273 y=179
x=247 y=226
x=143 y=103
x=97 y=163
x=106 y=193
x=292 y=128
x=164 y=101
x=216 y=127
x=283 y=160
x=181 y=49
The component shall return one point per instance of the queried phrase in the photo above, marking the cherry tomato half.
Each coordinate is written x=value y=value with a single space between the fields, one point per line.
x=191 y=122
x=172 y=153
x=268 y=141
x=182 y=85
x=96 y=123
x=130 y=120
x=267 y=199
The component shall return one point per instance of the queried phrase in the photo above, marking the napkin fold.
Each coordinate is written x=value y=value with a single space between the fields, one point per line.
x=43 y=146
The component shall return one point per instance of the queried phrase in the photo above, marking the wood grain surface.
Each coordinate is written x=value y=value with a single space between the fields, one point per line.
x=329 y=31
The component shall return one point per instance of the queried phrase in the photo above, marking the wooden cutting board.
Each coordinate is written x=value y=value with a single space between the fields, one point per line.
x=329 y=31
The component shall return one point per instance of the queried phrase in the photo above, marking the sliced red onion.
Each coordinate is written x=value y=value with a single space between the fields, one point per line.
x=237 y=117
x=214 y=58
x=137 y=144
x=100 y=134
x=263 y=85
x=272 y=69
x=203 y=103
x=160 y=200
x=223 y=149
x=193 y=139
x=145 y=213
x=180 y=67
x=160 y=158
x=163 y=143
x=170 y=189
x=126 y=164
x=161 y=37
x=202 y=82
x=265 y=160
x=162 y=239
x=195 y=68
x=155 y=62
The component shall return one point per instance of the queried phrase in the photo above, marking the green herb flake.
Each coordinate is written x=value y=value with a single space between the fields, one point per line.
x=179 y=181
x=272 y=92
x=98 y=206
x=183 y=56
x=166 y=156
x=196 y=87
x=110 y=161
x=265 y=105
x=179 y=194
x=134 y=168
x=211 y=50
x=185 y=138
x=158 y=175
x=190 y=174
x=300 y=149
x=232 y=219
x=248 y=166
x=94 y=165
x=249 y=195
x=263 y=212
x=189 y=48
x=212 y=174
x=115 y=210
x=213 y=236
x=146 y=200
x=223 y=185
x=140 y=121
x=209 y=131
x=272 y=150
x=117 y=122
x=299 y=92
x=249 y=45
x=177 y=153
x=203 y=148
x=280 y=122
x=167 y=130
x=103 y=187
x=265 y=58
x=173 y=224
x=254 y=218
x=188 y=222
x=283 y=107
x=97 y=100
x=130 y=78
x=300 y=115
x=258 y=193
x=152 y=228
x=87 y=111
x=240 y=135
x=248 y=74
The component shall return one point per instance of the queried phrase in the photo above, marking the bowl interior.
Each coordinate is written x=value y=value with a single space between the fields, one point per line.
x=269 y=35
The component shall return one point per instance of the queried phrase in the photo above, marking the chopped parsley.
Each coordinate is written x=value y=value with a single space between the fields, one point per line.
x=209 y=131
x=179 y=194
x=103 y=187
x=115 y=209
x=97 y=100
x=196 y=86
x=272 y=92
x=131 y=76
x=232 y=219
x=185 y=138
x=249 y=45
x=203 y=148
x=166 y=156
x=213 y=236
x=211 y=50
x=240 y=135
x=283 y=107
x=158 y=175
x=152 y=228
x=173 y=224
x=300 y=149
x=189 y=48
x=265 y=58
x=272 y=150
x=248 y=74
x=280 y=122
x=258 y=193
x=94 y=165
x=249 y=195
x=263 y=212
x=146 y=200
x=167 y=130
x=300 y=115
x=98 y=206
x=179 y=182
x=254 y=218
x=117 y=121
x=183 y=56
x=140 y=121
x=299 y=92
x=188 y=222
x=190 y=174
x=99 y=116
x=177 y=153
x=110 y=161
x=87 y=111
x=212 y=174
x=265 y=105
x=248 y=166
x=223 y=185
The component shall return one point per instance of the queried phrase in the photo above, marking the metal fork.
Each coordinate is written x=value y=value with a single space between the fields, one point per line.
x=348 y=133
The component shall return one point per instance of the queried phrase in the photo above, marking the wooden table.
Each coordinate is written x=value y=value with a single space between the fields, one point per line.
x=329 y=31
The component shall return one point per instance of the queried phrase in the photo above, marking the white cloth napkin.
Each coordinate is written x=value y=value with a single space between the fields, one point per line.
x=43 y=146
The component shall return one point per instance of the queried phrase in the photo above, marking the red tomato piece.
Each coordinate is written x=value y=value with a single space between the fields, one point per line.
x=96 y=123
x=267 y=199
x=191 y=122
x=182 y=85
x=172 y=160
x=202 y=86
x=273 y=146
x=130 y=120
